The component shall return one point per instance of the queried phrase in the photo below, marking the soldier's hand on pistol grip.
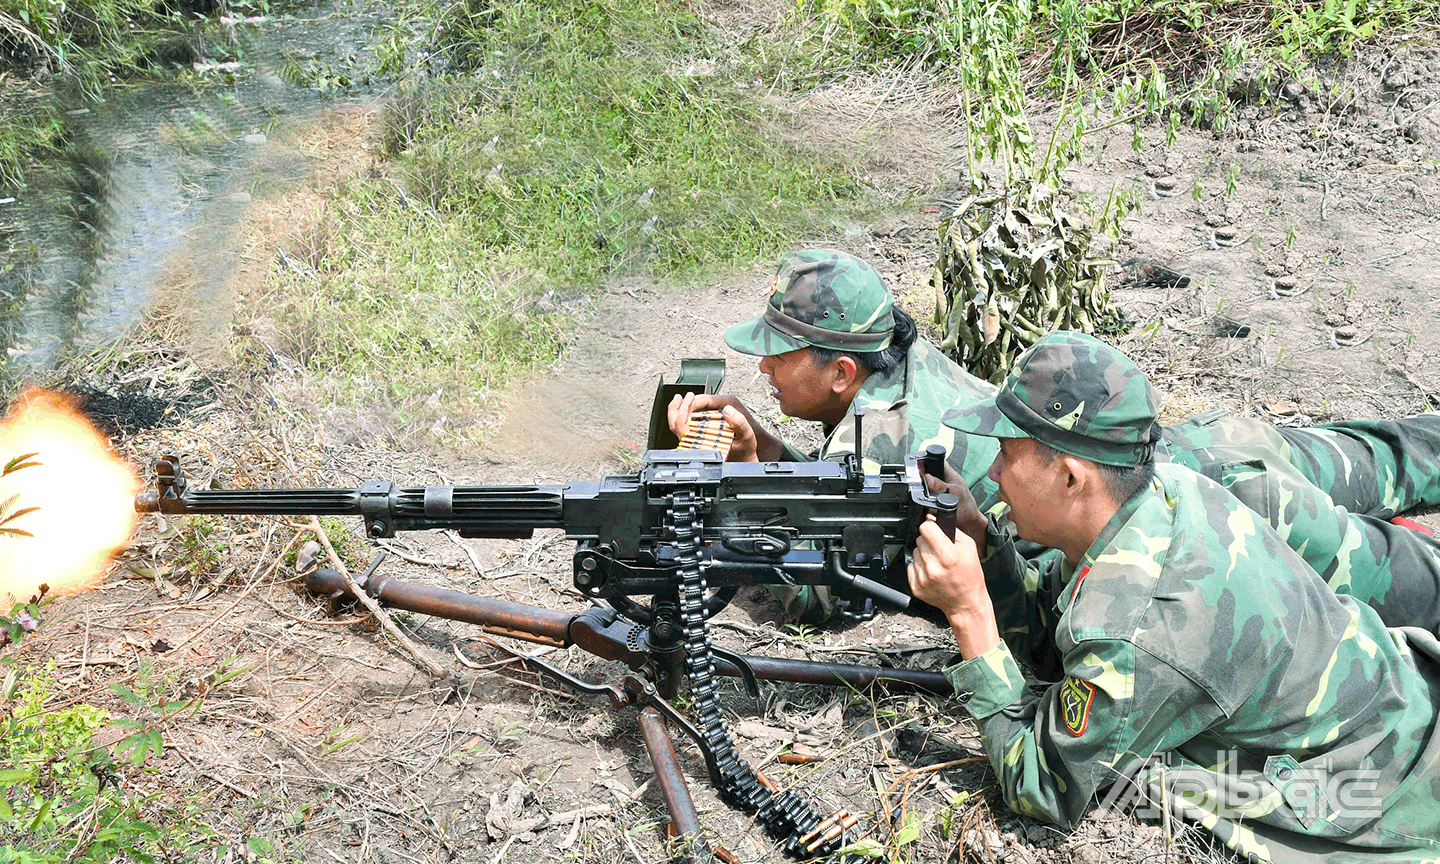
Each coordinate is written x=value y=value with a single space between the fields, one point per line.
x=946 y=574
x=968 y=517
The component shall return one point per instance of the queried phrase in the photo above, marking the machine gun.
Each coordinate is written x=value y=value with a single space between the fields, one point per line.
x=659 y=551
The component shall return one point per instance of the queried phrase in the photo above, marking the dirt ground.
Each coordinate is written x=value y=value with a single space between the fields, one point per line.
x=1313 y=294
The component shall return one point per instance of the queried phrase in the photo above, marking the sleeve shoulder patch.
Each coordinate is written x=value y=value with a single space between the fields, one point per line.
x=1076 y=697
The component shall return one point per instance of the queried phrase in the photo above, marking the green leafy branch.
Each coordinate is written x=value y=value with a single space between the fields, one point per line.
x=23 y=617
x=151 y=699
x=63 y=799
x=8 y=513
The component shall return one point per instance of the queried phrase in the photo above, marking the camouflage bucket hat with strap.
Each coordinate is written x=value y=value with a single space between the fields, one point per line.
x=822 y=298
x=1076 y=394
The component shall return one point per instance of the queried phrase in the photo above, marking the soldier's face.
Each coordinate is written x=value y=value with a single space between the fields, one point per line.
x=1026 y=478
x=803 y=387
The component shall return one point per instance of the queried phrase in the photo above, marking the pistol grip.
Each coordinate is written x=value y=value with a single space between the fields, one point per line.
x=946 y=506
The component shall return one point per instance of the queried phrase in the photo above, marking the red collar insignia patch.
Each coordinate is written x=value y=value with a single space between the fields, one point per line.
x=1075 y=589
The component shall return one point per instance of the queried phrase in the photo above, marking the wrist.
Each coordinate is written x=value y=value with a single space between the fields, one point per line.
x=768 y=448
x=975 y=630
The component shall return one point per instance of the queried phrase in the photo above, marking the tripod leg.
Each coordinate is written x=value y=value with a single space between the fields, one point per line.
x=683 y=818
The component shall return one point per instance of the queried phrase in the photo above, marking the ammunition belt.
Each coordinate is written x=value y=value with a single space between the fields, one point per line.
x=787 y=817
x=707 y=430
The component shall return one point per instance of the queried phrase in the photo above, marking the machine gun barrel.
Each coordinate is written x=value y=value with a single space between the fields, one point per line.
x=474 y=511
x=279 y=502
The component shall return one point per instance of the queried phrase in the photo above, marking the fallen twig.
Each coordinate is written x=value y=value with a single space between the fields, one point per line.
x=218 y=779
x=359 y=619
x=369 y=603
x=1373 y=261
x=939 y=766
x=474 y=559
x=557 y=819
x=249 y=586
x=561 y=694
x=404 y=556
x=748 y=629
x=316 y=695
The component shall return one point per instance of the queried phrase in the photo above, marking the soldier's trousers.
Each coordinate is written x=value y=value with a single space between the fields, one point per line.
x=1330 y=491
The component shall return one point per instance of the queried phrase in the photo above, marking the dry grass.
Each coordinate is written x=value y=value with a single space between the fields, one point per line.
x=898 y=129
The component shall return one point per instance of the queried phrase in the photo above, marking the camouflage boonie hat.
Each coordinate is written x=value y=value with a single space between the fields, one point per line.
x=821 y=298
x=1076 y=394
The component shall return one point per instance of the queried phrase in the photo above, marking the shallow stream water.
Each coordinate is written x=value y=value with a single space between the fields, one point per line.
x=154 y=179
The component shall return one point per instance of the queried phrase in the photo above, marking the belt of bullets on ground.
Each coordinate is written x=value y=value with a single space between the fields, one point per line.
x=787 y=817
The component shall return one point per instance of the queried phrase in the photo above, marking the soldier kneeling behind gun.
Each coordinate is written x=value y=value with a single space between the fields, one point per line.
x=832 y=340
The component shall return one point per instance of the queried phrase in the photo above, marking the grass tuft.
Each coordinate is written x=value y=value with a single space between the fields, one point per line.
x=595 y=137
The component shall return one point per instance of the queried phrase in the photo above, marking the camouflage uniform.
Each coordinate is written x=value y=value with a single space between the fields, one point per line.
x=1202 y=657
x=1329 y=491
x=903 y=410
x=828 y=299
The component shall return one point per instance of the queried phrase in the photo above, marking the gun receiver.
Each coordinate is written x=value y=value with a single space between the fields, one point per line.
x=793 y=523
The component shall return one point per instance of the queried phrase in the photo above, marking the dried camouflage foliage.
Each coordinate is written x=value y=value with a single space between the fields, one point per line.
x=1012 y=267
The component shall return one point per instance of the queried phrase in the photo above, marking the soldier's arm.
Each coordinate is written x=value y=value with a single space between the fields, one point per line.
x=1024 y=580
x=946 y=574
x=1054 y=752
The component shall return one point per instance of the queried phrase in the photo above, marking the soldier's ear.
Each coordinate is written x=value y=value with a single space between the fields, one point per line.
x=1079 y=474
x=846 y=373
x=1085 y=478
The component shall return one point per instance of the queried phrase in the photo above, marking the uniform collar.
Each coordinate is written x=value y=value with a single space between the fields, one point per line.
x=880 y=392
x=1102 y=542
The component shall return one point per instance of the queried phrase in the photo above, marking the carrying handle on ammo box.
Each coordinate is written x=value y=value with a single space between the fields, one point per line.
x=697 y=375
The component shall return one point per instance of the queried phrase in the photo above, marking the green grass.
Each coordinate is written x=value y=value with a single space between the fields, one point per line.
x=1175 y=55
x=581 y=141
x=553 y=146
x=401 y=303
x=28 y=127
x=1089 y=37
